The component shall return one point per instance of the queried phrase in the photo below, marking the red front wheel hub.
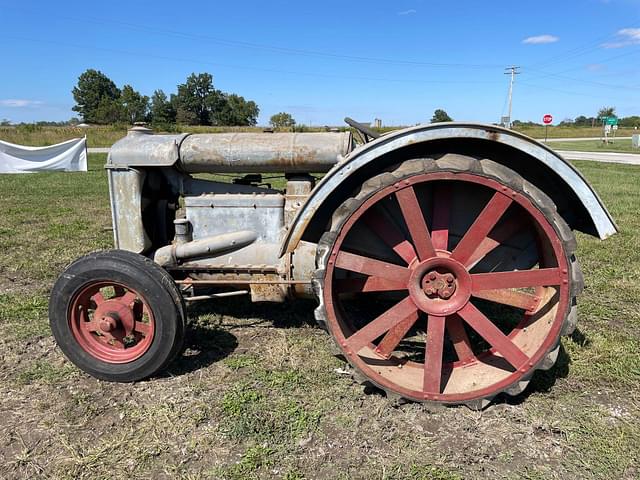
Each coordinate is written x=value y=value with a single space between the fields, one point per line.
x=111 y=322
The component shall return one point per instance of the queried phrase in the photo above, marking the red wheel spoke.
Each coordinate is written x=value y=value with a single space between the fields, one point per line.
x=433 y=354
x=142 y=328
x=496 y=237
x=481 y=227
x=460 y=339
x=391 y=236
x=128 y=298
x=368 y=284
x=414 y=219
x=98 y=298
x=441 y=208
x=369 y=266
x=513 y=298
x=516 y=279
x=383 y=323
x=393 y=337
x=492 y=334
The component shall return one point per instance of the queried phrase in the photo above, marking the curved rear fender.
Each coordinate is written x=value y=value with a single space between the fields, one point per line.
x=577 y=201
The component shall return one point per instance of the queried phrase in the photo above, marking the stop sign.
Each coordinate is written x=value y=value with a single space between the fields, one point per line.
x=547 y=119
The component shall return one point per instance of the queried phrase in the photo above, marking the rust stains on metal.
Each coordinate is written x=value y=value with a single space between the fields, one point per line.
x=493 y=135
x=263 y=153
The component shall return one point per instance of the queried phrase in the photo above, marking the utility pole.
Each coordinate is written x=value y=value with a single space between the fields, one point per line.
x=513 y=71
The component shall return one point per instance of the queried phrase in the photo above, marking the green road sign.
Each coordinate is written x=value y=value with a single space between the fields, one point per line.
x=610 y=120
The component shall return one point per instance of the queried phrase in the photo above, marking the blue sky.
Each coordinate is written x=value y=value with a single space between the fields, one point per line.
x=321 y=61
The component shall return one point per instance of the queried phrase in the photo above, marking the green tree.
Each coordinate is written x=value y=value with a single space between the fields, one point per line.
x=632 y=121
x=162 y=111
x=440 y=116
x=282 y=120
x=197 y=101
x=136 y=106
x=607 y=112
x=237 y=111
x=97 y=98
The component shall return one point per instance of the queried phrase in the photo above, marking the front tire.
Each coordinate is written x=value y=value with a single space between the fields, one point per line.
x=117 y=316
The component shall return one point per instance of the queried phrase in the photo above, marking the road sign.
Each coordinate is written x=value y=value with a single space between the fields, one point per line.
x=547 y=119
x=610 y=120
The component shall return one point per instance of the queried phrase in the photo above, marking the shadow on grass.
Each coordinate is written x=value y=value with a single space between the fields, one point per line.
x=202 y=347
x=544 y=380
x=240 y=312
x=209 y=338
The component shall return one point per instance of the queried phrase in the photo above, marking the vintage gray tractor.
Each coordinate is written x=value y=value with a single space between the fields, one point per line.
x=442 y=256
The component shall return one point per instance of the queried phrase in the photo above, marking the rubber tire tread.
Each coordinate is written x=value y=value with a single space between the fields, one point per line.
x=484 y=168
x=141 y=274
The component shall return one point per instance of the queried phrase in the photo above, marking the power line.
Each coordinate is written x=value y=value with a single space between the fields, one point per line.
x=603 y=61
x=573 y=53
x=589 y=82
x=565 y=92
x=266 y=47
x=244 y=67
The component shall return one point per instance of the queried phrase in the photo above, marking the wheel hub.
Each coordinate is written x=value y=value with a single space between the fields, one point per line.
x=114 y=314
x=440 y=285
x=109 y=323
x=112 y=328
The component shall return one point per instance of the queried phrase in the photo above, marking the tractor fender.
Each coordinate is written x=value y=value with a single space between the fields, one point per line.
x=576 y=200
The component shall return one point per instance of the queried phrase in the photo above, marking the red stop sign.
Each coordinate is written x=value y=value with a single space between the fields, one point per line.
x=547 y=119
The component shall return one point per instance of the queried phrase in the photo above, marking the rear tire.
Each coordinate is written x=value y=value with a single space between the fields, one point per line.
x=395 y=244
x=117 y=316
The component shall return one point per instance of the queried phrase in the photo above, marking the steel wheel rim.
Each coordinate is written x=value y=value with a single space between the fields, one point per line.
x=117 y=328
x=542 y=320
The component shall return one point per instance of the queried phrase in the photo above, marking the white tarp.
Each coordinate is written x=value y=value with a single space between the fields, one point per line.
x=69 y=156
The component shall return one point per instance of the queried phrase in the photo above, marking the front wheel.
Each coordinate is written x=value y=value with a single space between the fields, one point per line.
x=448 y=281
x=117 y=315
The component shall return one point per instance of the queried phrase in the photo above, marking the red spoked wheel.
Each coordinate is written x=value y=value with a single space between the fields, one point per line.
x=117 y=315
x=448 y=281
x=111 y=322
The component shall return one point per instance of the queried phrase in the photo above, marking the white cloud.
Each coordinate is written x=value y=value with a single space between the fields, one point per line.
x=19 y=103
x=596 y=67
x=541 y=39
x=626 y=37
x=411 y=11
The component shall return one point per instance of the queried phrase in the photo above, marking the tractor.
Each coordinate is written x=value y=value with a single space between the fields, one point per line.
x=442 y=256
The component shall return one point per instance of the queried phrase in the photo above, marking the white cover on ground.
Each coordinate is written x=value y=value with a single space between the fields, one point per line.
x=69 y=156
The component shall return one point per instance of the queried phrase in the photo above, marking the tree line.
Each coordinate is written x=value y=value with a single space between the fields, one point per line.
x=196 y=102
x=592 y=121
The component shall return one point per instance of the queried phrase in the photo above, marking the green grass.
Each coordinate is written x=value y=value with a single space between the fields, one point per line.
x=623 y=145
x=571 y=132
x=257 y=394
x=101 y=136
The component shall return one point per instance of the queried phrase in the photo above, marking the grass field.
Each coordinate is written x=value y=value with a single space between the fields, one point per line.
x=257 y=393
x=623 y=145
x=105 y=136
